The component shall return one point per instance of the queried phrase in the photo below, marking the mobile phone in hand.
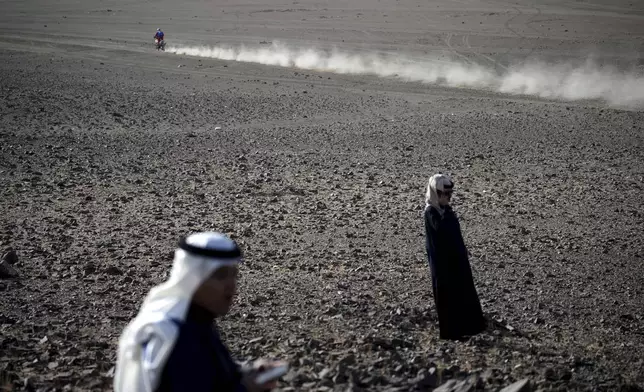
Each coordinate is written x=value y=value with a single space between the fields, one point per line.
x=271 y=374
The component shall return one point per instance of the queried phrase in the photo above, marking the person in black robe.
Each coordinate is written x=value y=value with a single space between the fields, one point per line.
x=457 y=302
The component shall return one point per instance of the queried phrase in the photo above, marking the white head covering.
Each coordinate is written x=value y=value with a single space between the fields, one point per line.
x=437 y=182
x=146 y=343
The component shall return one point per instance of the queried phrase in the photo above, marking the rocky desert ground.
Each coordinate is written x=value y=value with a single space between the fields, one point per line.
x=111 y=150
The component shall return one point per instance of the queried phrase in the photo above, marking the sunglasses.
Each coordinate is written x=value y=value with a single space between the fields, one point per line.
x=447 y=193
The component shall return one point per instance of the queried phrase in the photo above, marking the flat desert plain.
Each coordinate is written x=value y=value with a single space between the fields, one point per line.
x=307 y=131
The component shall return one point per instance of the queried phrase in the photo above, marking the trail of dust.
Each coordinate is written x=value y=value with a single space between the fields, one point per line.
x=585 y=81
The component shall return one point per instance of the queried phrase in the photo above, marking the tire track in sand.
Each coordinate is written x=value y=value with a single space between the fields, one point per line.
x=494 y=62
x=448 y=42
x=508 y=26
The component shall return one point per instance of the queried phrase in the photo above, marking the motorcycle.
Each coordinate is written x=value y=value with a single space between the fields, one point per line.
x=160 y=44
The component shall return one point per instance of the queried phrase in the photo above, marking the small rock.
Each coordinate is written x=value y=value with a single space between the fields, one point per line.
x=456 y=386
x=324 y=373
x=566 y=375
x=28 y=385
x=7 y=271
x=290 y=377
x=313 y=344
x=519 y=386
x=348 y=360
x=113 y=271
x=416 y=359
x=340 y=378
x=396 y=342
x=489 y=374
x=89 y=373
x=10 y=256
x=427 y=379
x=447 y=374
x=89 y=269
x=549 y=374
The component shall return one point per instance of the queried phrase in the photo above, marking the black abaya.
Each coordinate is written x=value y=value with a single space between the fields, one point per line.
x=457 y=302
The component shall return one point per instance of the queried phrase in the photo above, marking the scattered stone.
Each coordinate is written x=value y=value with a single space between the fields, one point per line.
x=294 y=377
x=10 y=256
x=566 y=375
x=89 y=269
x=347 y=360
x=427 y=378
x=456 y=386
x=7 y=271
x=28 y=385
x=519 y=386
x=112 y=270
x=325 y=373
x=549 y=374
x=329 y=238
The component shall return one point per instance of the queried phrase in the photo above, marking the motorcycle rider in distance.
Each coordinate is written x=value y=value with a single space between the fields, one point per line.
x=158 y=39
x=159 y=35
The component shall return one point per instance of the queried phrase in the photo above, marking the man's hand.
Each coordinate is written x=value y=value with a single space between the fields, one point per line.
x=249 y=382
x=259 y=366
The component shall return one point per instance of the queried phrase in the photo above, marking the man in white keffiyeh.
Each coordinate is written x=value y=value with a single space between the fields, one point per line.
x=171 y=345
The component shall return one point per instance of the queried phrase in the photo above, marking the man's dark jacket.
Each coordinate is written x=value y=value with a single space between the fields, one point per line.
x=199 y=361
